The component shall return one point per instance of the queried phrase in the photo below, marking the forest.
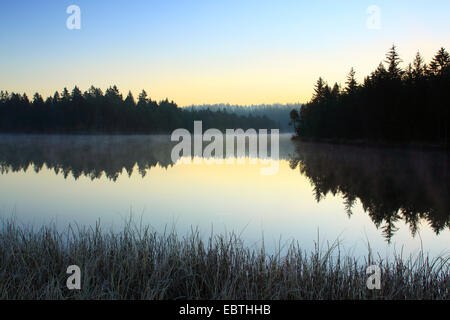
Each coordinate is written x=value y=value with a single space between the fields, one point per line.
x=276 y=112
x=392 y=104
x=93 y=111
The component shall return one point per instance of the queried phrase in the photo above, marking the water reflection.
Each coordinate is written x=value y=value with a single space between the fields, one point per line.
x=392 y=185
x=93 y=156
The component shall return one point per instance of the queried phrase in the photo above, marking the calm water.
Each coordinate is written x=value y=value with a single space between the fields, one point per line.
x=394 y=199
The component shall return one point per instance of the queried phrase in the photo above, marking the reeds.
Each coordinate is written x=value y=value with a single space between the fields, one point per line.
x=137 y=263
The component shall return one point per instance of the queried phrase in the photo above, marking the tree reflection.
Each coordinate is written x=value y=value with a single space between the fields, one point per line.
x=392 y=185
x=94 y=155
x=90 y=156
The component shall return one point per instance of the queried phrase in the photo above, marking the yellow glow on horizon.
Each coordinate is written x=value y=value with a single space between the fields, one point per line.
x=271 y=77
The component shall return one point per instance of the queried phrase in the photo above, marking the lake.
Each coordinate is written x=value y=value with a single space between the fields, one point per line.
x=397 y=200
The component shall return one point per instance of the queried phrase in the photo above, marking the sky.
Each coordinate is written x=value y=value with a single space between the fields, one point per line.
x=214 y=51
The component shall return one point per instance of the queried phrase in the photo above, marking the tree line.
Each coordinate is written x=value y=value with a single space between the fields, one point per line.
x=392 y=104
x=276 y=112
x=93 y=111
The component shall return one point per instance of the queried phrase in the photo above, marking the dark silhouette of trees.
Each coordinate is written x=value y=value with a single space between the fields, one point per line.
x=391 y=105
x=393 y=61
x=279 y=113
x=93 y=111
x=351 y=84
x=129 y=101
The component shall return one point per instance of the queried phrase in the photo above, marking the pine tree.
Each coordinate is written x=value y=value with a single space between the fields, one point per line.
x=113 y=95
x=142 y=99
x=379 y=74
x=393 y=60
x=56 y=97
x=37 y=99
x=335 y=91
x=65 y=96
x=76 y=94
x=440 y=62
x=419 y=67
x=25 y=99
x=319 y=91
x=129 y=100
x=351 y=82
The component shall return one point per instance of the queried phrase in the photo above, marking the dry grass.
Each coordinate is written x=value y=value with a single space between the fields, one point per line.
x=137 y=263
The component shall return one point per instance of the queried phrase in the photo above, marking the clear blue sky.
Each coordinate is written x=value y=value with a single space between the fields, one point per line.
x=246 y=51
